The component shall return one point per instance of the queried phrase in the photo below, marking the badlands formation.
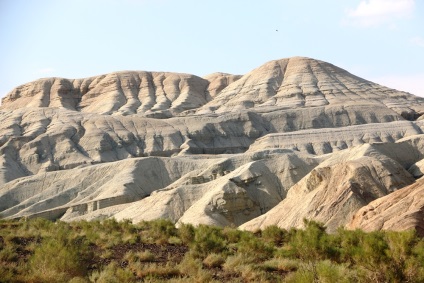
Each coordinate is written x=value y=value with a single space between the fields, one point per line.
x=295 y=138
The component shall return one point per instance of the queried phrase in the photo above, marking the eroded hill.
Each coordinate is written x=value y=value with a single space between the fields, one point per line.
x=295 y=138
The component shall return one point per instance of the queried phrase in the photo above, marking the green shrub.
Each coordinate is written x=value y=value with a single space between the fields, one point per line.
x=154 y=270
x=414 y=267
x=58 y=258
x=234 y=263
x=232 y=235
x=254 y=248
x=241 y=267
x=214 y=260
x=347 y=243
x=158 y=231
x=38 y=224
x=111 y=224
x=174 y=240
x=312 y=243
x=186 y=232
x=371 y=256
x=208 y=240
x=382 y=256
x=280 y=264
x=112 y=274
x=91 y=231
x=274 y=234
x=191 y=267
x=331 y=272
x=301 y=276
x=398 y=251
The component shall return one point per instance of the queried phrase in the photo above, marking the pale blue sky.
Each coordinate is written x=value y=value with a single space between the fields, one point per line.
x=379 y=40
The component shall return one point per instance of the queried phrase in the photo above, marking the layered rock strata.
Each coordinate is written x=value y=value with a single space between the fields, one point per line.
x=295 y=138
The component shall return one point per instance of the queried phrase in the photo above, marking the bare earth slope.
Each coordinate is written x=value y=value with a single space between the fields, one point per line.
x=294 y=138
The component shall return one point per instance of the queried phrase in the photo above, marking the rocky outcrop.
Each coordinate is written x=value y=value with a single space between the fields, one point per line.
x=399 y=211
x=219 y=81
x=333 y=191
x=327 y=140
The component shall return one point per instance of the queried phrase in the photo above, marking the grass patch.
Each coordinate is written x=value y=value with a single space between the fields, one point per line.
x=37 y=250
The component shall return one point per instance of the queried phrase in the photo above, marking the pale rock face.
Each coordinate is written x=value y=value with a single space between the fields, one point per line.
x=417 y=169
x=93 y=186
x=48 y=139
x=219 y=81
x=294 y=138
x=229 y=192
x=322 y=141
x=122 y=93
x=287 y=83
x=333 y=191
x=399 y=211
x=304 y=82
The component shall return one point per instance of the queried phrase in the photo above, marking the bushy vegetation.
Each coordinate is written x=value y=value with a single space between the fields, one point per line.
x=38 y=250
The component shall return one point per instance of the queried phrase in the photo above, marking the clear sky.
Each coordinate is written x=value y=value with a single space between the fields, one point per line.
x=379 y=40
